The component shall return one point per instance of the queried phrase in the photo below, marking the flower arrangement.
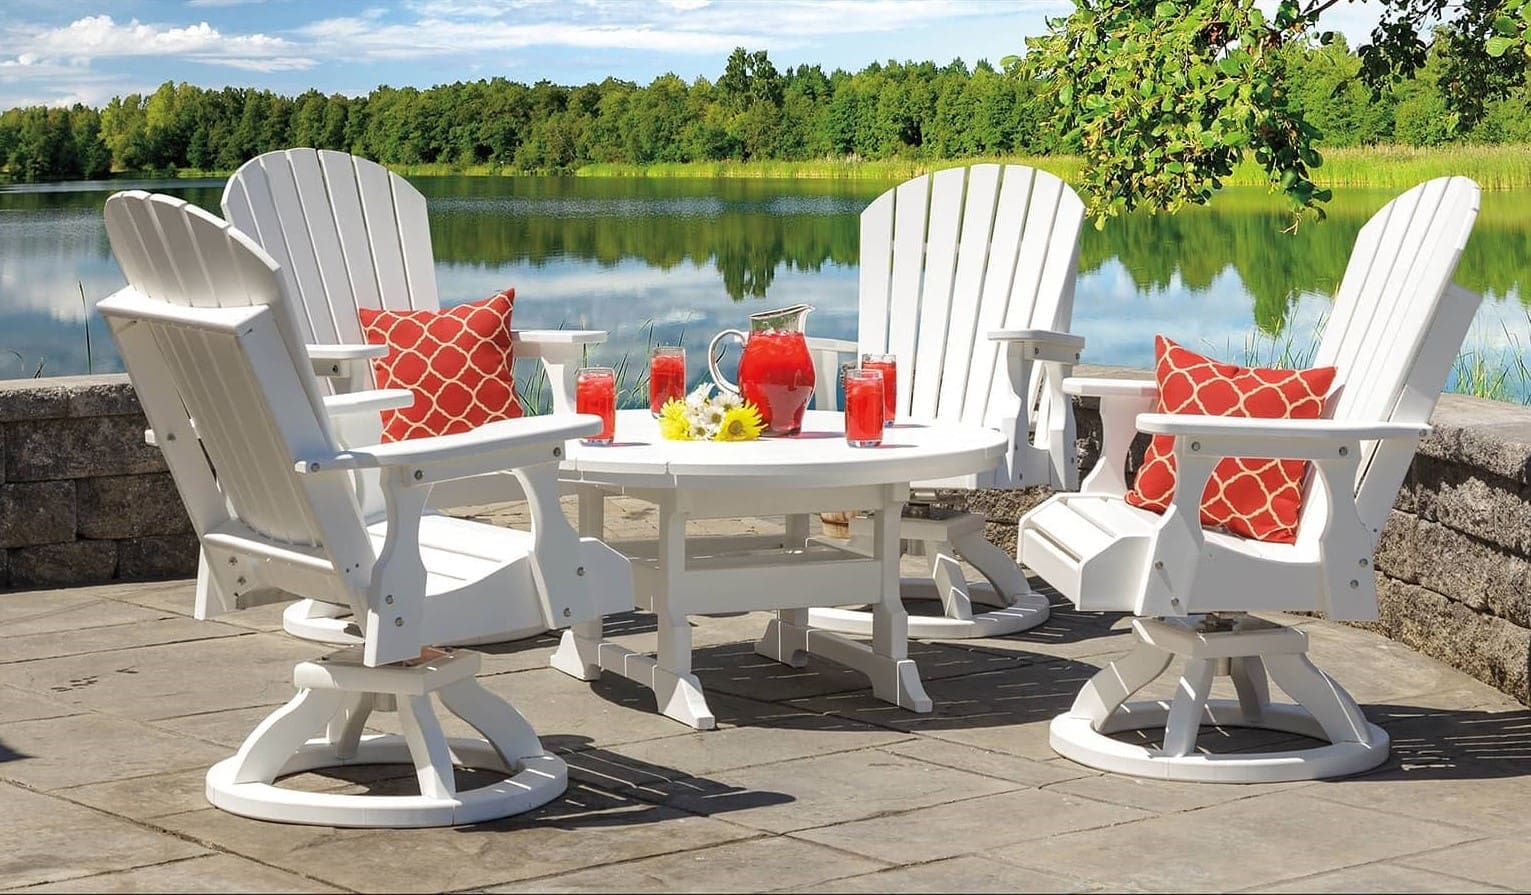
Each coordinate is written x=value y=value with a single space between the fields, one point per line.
x=704 y=416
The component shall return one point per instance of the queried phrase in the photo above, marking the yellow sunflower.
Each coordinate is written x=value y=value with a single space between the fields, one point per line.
x=740 y=424
x=672 y=421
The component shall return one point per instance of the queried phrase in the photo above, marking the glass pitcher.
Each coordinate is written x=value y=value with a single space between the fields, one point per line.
x=775 y=370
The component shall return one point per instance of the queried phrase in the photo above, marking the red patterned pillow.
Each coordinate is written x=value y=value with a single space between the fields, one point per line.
x=1258 y=499
x=457 y=362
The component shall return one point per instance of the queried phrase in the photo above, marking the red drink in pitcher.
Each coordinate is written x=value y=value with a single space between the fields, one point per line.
x=776 y=375
x=888 y=365
x=667 y=376
x=595 y=391
x=863 y=407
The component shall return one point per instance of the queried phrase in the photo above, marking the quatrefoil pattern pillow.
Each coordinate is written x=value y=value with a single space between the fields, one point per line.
x=456 y=361
x=1255 y=498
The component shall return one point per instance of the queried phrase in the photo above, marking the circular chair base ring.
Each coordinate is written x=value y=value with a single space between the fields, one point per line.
x=1030 y=610
x=541 y=779
x=1072 y=737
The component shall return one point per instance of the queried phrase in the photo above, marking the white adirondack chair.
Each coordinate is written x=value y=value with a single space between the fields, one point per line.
x=348 y=233
x=967 y=278
x=1396 y=326
x=206 y=331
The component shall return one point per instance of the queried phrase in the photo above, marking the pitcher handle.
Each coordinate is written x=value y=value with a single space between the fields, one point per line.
x=713 y=355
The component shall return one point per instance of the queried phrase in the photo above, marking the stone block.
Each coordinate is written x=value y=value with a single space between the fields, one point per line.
x=5 y=567
x=157 y=558
x=1492 y=435
x=36 y=513
x=56 y=397
x=998 y=505
x=103 y=396
x=32 y=399
x=63 y=565
x=130 y=506
x=1493 y=650
x=1475 y=502
x=38 y=450
x=1396 y=548
x=1479 y=574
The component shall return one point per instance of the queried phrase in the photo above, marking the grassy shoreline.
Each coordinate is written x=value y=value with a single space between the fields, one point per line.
x=1497 y=167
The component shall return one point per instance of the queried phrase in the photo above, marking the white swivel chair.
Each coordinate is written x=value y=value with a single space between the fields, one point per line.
x=967 y=278
x=206 y=332
x=1396 y=326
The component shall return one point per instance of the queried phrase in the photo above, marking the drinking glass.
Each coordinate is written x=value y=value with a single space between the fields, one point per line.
x=595 y=391
x=888 y=364
x=667 y=376
x=863 y=407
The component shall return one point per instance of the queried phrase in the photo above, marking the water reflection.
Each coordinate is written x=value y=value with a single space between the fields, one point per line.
x=676 y=260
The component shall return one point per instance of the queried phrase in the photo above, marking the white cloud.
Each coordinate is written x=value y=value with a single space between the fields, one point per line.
x=97 y=37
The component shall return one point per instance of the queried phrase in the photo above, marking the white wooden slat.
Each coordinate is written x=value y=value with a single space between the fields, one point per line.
x=876 y=274
x=383 y=235
x=1031 y=259
x=163 y=281
x=919 y=374
x=331 y=294
x=1009 y=218
x=415 y=238
x=967 y=285
x=910 y=211
x=301 y=258
x=248 y=204
x=1079 y=535
x=350 y=222
x=1115 y=516
x=1054 y=306
x=127 y=243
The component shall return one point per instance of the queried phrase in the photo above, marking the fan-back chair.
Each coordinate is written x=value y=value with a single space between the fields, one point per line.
x=967 y=278
x=207 y=332
x=1394 y=331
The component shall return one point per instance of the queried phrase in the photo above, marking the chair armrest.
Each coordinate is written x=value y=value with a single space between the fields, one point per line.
x=1110 y=388
x=370 y=401
x=1226 y=436
x=492 y=447
x=1043 y=343
x=341 y=361
x=555 y=342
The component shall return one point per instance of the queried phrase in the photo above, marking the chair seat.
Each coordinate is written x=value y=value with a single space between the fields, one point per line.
x=1092 y=547
x=458 y=551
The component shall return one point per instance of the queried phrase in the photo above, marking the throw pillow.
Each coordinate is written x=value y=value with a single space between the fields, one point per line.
x=456 y=361
x=1255 y=498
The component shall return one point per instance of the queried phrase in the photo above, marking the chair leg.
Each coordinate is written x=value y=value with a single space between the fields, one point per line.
x=1250 y=682
x=1184 y=722
x=274 y=741
x=505 y=728
x=1334 y=710
x=1113 y=685
x=427 y=746
x=345 y=726
x=1000 y=568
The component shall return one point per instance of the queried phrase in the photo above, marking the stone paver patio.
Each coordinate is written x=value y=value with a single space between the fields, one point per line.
x=113 y=703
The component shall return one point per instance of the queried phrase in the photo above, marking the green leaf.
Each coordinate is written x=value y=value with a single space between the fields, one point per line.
x=1506 y=26
x=1288 y=177
x=1498 y=44
x=1166 y=10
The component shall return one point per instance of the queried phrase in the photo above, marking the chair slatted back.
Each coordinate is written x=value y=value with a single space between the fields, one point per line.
x=347 y=233
x=948 y=257
x=1398 y=323
x=206 y=338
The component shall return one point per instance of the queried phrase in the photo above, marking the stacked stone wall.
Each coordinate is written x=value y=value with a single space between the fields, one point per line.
x=83 y=499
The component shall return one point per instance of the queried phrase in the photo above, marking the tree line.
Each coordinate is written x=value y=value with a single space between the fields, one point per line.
x=752 y=111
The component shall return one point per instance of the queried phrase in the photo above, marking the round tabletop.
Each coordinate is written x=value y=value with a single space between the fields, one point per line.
x=817 y=457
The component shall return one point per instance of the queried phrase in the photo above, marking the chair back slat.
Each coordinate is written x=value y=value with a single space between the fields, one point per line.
x=911 y=207
x=921 y=396
x=1004 y=244
x=876 y=275
x=972 y=265
x=1396 y=326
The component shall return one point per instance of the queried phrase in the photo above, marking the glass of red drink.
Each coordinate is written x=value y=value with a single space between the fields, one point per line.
x=887 y=364
x=667 y=376
x=595 y=391
x=863 y=407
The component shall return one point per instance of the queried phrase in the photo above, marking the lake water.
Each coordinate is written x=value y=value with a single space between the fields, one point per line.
x=664 y=259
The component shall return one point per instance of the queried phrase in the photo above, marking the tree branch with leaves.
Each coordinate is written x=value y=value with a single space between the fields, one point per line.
x=1164 y=97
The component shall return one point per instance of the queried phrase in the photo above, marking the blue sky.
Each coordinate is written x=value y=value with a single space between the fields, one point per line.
x=62 y=51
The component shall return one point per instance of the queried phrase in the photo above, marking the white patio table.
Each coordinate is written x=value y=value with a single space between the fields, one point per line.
x=676 y=576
